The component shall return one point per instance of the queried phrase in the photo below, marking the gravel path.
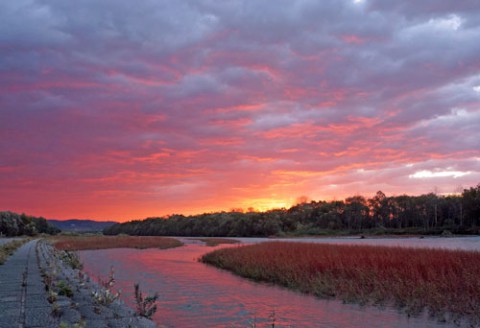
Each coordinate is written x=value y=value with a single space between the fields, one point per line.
x=22 y=293
x=25 y=302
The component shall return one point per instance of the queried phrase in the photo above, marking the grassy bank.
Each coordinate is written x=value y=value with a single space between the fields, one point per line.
x=445 y=282
x=104 y=242
x=7 y=249
x=217 y=241
x=379 y=232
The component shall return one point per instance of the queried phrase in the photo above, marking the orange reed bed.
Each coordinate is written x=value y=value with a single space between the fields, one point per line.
x=103 y=242
x=217 y=241
x=445 y=282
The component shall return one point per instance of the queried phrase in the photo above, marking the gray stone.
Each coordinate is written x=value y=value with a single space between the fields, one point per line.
x=9 y=321
x=36 y=290
x=8 y=305
x=11 y=298
x=39 y=317
x=35 y=301
x=90 y=312
x=13 y=290
x=10 y=311
x=70 y=315
x=98 y=324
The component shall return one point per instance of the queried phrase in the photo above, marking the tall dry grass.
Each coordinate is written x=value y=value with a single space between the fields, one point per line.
x=445 y=282
x=74 y=243
x=9 y=248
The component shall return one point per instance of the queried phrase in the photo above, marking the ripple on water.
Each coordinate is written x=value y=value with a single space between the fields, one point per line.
x=193 y=294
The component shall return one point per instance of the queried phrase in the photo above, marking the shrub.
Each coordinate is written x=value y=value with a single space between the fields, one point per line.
x=7 y=249
x=72 y=259
x=146 y=306
x=64 y=289
x=104 y=295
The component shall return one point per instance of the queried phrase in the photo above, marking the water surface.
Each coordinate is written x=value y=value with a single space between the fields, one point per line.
x=193 y=294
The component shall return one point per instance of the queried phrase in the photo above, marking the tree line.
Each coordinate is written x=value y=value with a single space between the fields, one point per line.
x=424 y=214
x=13 y=224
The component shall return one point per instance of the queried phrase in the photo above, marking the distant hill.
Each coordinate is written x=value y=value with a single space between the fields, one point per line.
x=81 y=225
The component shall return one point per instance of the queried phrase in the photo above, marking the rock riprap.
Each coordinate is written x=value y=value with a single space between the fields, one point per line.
x=39 y=288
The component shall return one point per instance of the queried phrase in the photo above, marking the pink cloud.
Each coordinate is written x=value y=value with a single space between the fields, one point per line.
x=354 y=39
x=117 y=115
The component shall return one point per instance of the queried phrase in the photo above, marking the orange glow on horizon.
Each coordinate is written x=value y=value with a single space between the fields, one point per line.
x=112 y=208
x=148 y=117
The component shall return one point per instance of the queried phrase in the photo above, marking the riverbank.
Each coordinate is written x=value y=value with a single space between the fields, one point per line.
x=77 y=299
x=383 y=233
x=214 y=241
x=84 y=242
x=442 y=281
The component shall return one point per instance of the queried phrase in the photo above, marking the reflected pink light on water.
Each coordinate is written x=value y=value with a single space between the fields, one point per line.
x=193 y=294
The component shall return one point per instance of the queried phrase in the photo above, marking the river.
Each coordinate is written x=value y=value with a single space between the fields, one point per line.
x=193 y=294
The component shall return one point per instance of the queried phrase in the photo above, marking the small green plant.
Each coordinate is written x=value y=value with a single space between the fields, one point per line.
x=81 y=324
x=64 y=289
x=49 y=276
x=72 y=259
x=104 y=295
x=47 y=280
x=82 y=277
x=52 y=297
x=146 y=306
x=56 y=310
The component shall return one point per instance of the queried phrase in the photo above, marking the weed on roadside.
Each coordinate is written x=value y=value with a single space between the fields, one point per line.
x=105 y=295
x=146 y=306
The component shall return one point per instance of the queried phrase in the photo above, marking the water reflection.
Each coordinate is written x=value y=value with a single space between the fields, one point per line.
x=196 y=295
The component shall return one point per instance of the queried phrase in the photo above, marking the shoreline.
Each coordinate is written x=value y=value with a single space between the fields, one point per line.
x=78 y=301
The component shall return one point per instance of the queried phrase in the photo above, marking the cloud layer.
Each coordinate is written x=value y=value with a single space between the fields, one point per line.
x=121 y=110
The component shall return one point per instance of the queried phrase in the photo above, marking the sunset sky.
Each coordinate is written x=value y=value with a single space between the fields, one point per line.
x=120 y=109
